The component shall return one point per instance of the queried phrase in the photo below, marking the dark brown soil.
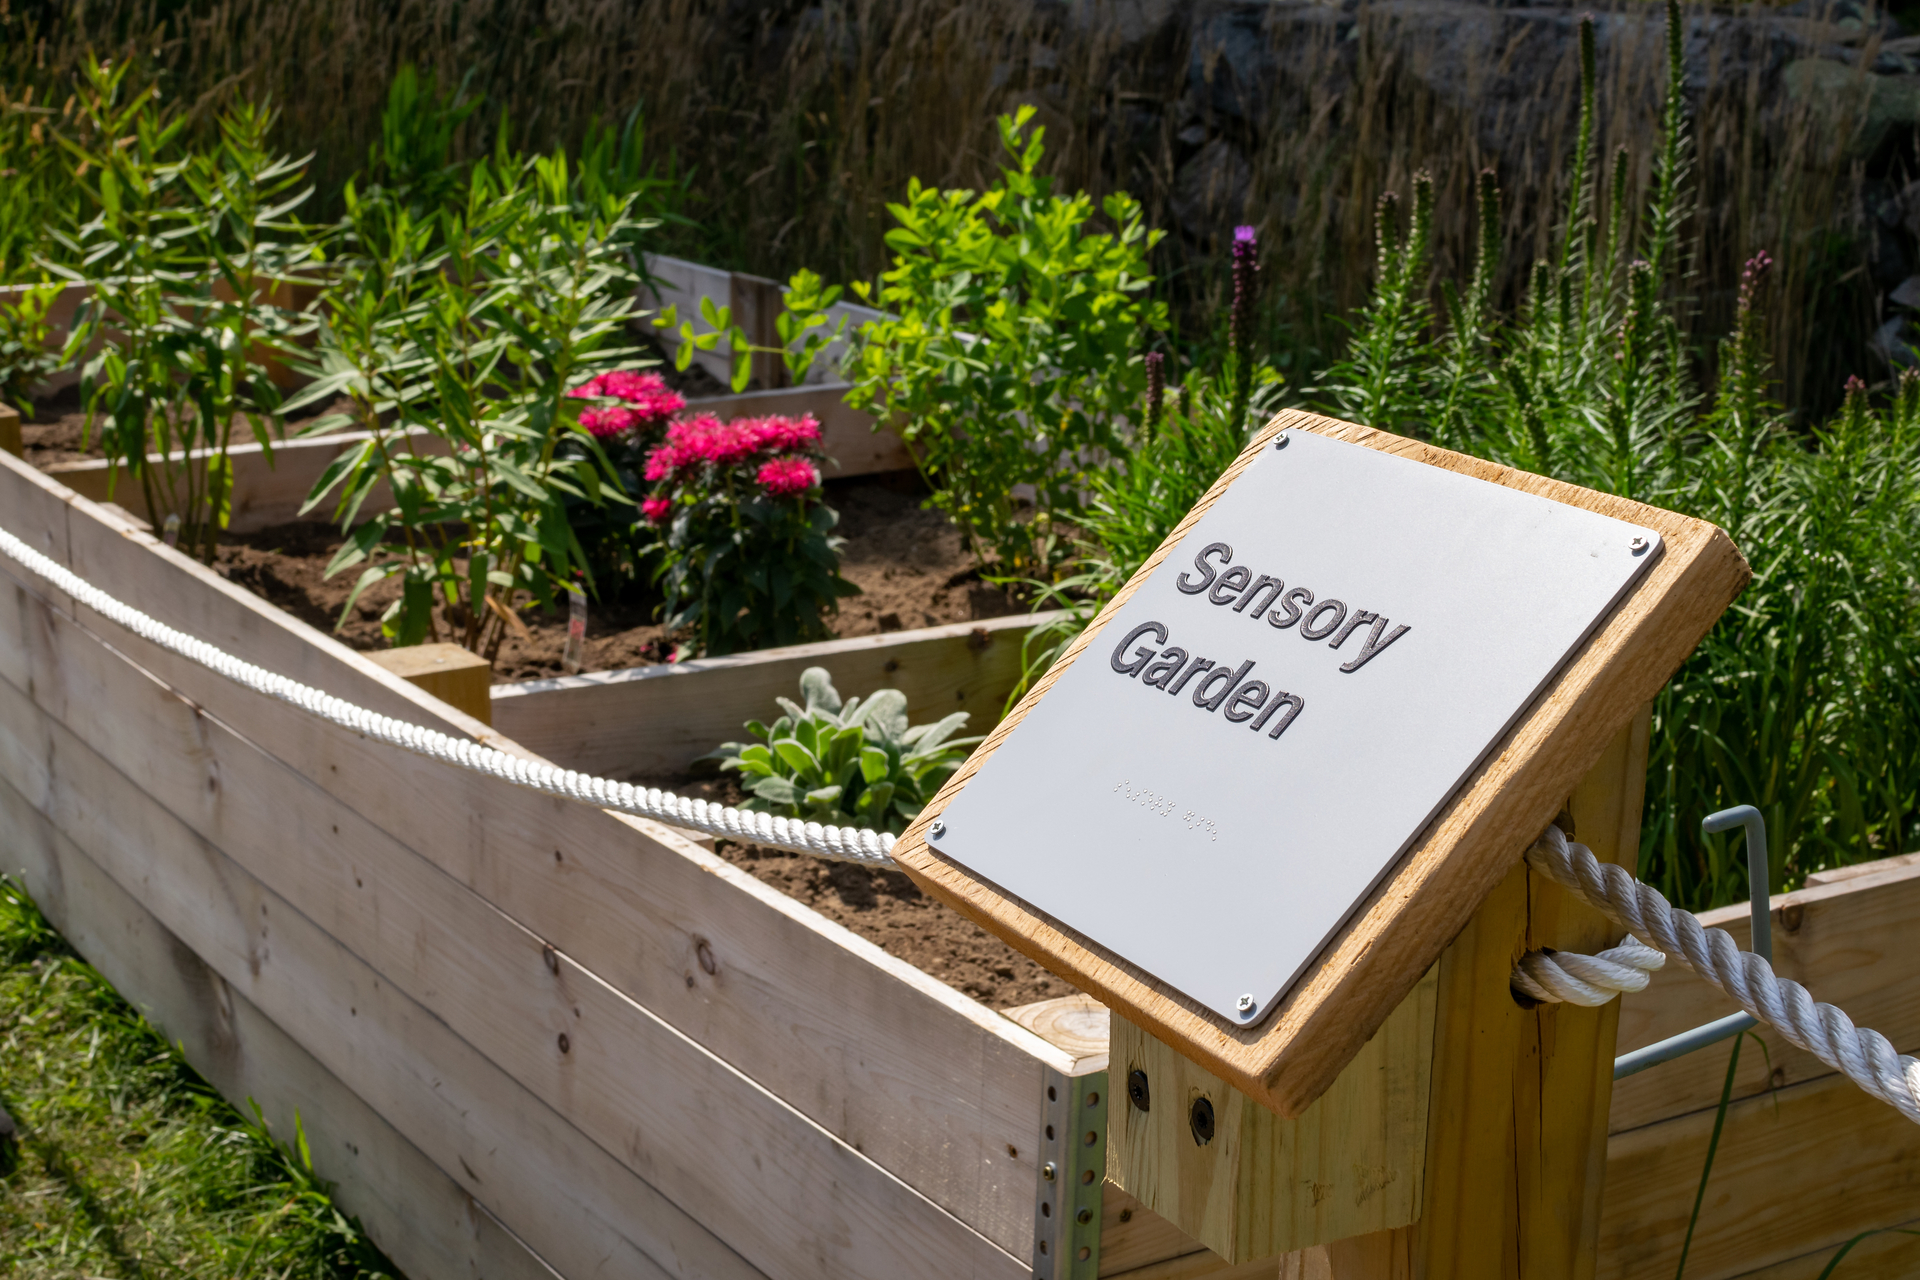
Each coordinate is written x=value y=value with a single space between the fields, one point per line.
x=909 y=563
x=886 y=908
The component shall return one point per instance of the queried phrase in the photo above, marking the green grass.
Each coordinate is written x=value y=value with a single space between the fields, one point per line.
x=127 y=1163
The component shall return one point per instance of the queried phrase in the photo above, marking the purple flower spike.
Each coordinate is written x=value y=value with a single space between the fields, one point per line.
x=1243 y=235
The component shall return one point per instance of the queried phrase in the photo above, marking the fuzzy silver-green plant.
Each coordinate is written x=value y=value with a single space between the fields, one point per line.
x=848 y=764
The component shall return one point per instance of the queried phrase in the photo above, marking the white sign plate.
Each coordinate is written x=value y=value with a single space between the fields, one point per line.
x=1387 y=619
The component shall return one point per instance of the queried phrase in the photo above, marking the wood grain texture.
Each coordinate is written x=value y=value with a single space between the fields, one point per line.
x=425 y=1221
x=1850 y=941
x=573 y=1204
x=929 y=1083
x=1078 y=1024
x=268 y=489
x=454 y=675
x=1798 y=1173
x=1398 y=932
x=1516 y=1144
x=713 y=1143
x=648 y=721
x=1894 y=1255
x=1349 y=1165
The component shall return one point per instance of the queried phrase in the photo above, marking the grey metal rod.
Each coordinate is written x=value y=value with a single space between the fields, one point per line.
x=1759 y=889
x=1686 y=1042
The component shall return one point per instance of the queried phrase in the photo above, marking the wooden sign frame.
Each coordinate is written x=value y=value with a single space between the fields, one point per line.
x=1289 y=1058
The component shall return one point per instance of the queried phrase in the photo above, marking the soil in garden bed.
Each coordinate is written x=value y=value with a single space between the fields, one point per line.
x=59 y=426
x=909 y=562
x=887 y=909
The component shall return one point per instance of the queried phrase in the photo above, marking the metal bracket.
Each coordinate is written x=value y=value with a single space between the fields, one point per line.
x=1073 y=1170
x=1757 y=889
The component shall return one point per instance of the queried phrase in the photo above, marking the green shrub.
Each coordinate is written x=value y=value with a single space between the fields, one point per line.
x=28 y=353
x=470 y=324
x=1805 y=699
x=184 y=248
x=852 y=764
x=1011 y=353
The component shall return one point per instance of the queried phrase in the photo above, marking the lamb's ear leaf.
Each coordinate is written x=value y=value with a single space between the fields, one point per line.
x=818 y=688
x=928 y=736
x=798 y=758
x=874 y=765
x=778 y=790
x=823 y=795
x=795 y=712
x=886 y=714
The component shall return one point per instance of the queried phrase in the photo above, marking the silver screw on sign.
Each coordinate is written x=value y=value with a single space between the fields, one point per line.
x=1638 y=544
x=1244 y=1004
x=938 y=829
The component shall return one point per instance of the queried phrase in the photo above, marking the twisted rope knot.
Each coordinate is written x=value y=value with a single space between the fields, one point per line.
x=1567 y=977
x=1864 y=1057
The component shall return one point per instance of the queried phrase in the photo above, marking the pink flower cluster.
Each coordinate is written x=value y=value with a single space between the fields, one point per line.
x=656 y=510
x=707 y=441
x=645 y=401
x=785 y=476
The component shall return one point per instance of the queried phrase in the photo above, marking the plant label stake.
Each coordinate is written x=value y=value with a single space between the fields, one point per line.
x=573 y=657
x=1300 y=754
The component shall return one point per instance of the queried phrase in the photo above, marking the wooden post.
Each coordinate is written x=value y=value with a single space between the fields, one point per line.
x=1467 y=1140
x=10 y=441
x=1517 y=1140
x=448 y=672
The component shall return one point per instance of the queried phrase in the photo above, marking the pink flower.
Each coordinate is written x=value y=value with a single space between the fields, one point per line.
x=646 y=397
x=785 y=476
x=656 y=510
x=602 y=423
x=780 y=434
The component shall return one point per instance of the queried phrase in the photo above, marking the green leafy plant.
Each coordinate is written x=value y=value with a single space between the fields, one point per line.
x=847 y=764
x=1802 y=700
x=802 y=325
x=745 y=549
x=185 y=250
x=456 y=338
x=1010 y=357
x=28 y=352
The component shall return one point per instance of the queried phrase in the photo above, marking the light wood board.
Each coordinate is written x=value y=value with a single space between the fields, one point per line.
x=650 y=721
x=1797 y=1173
x=1398 y=932
x=574 y=1205
x=714 y=1144
x=926 y=1081
x=1851 y=942
x=456 y=676
x=1351 y=1164
x=425 y=1221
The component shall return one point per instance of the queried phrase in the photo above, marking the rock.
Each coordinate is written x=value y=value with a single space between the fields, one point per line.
x=1894 y=342
x=1843 y=90
x=1210 y=191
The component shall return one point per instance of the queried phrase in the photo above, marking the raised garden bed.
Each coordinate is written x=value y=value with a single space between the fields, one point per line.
x=517 y=1027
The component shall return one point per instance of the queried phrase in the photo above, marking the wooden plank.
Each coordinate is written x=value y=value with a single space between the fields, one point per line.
x=10 y=441
x=1799 y=1171
x=929 y=1083
x=454 y=675
x=1878 y=869
x=1259 y=1186
x=1892 y=1256
x=424 y=1220
x=649 y=721
x=132 y=565
x=778 y=1188
x=268 y=489
x=573 y=1204
x=1849 y=941
x=1078 y=1024
x=1395 y=936
x=1517 y=1132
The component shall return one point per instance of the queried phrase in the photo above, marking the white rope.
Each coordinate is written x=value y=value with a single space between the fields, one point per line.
x=1864 y=1057
x=847 y=844
x=1567 y=977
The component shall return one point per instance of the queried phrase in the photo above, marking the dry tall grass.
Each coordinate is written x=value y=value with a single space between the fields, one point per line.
x=796 y=123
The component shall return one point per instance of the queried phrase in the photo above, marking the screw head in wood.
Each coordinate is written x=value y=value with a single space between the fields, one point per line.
x=1138 y=1091
x=1048 y=1171
x=1200 y=1121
